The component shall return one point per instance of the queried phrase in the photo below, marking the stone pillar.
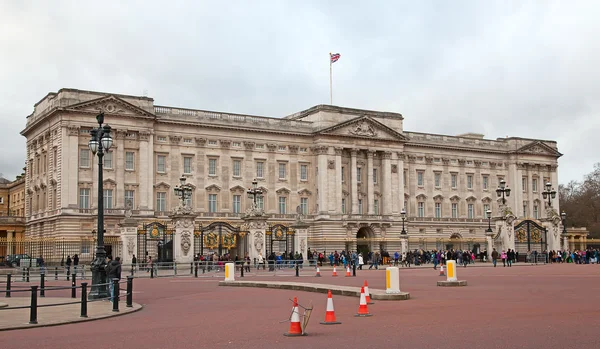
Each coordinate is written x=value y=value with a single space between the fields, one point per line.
x=387 y=183
x=571 y=243
x=404 y=243
x=554 y=181
x=257 y=226
x=489 y=238
x=129 y=239
x=183 y=240
x=301 y=239
x=370 y=189
x=322 y=179
x=144 y=163
x=530 y=192
x=401 y=183
x=338 y=180
x=118 y=166
x=565 y=242
x=353 y=181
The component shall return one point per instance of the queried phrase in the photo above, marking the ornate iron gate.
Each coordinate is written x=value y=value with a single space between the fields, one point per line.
x=530 y=236
x=217 y=235
x=281 y=234
x=155 y=240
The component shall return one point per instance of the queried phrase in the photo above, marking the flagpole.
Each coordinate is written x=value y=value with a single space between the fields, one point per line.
x=330 y=80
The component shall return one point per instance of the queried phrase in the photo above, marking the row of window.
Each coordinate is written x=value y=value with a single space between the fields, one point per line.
x=85 y=159
x=437 y=180
x=534 y=184
x=454 y=210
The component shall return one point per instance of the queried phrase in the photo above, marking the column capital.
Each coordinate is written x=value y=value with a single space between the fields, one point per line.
x=320 y=149
x=338 y=150
x=387 y=155
x=370 y=153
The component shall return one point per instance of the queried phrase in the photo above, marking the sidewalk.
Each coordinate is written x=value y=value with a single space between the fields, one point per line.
x=13 y=319
x=430 y=266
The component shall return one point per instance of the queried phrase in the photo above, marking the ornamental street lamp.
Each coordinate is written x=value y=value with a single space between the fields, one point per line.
x=502 y=191
x=99 y=143
x=254 y=192
x=549 y=194
x=489 y=217
x=184 y=191
x=564 y=222
x=403 y=216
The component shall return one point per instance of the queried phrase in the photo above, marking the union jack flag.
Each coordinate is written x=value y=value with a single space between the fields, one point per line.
x=334 y=57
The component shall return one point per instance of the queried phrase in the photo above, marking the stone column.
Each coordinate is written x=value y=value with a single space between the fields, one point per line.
x=353 y=181
x=144 y=164
x=530 y=191
x=404 y=243
x=322 y=179
x=183 y=240
x=119 y=168
x=338 y=181
x=401 y=183
x=257 y=226
x=387 y=183
x=301 y=239
x=489 y=238
x=70 y=171
x=129 y=239
x=554 y=181
x=565 y=241
x=370 y=190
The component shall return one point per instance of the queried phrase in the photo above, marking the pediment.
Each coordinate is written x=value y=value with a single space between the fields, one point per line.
x=438 y=197
x=364 y=127
x=304 y=192
x=162 y=184
x=238 y=188
x=471 y=198
x=111 y=105
x=213 y=187
x=109 y=182
x=486 y=200
x=538 y=148
x=283 y=190
x=421 y=197
x=455 y=198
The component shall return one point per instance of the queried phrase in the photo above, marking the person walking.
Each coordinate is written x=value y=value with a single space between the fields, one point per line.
x=113 y=271
x=503 y=256
x=494 y=257
x=69 y=262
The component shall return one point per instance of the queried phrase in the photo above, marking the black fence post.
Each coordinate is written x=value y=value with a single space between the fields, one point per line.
x=42 y=285
x=83 y=299
x=68 y=275
x=174 y=268
x=129 y=291
x=33 y=306
x=132 y=270
x=115 y=298
x=73 y=285
x=191 y=268
x=242 y=266
x=23 y=278
x=196 y=270
x=297 y=269
x=8 y=282
x=27 y=276
x=353 y=269
x=152 y=272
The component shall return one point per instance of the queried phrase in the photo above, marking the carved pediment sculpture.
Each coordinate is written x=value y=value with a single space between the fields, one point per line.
x=363 y=128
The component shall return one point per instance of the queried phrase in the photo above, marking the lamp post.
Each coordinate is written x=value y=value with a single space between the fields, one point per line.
x=403 y=216
x=563 y=215
x=549 y=194
x=99 y=143
x=184 y=191
x=489 y=217
x=254 y=192
x=502 y=191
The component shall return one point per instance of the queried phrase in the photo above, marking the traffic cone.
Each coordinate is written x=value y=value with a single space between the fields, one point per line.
x=295 y=327
x=334 y=271
x=367 y=294
x=330 y=313
x=363 y=311
x=318 y=272
x=348 y=272
x=442 y=273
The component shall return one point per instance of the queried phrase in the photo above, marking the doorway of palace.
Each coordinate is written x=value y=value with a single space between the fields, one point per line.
x=363 y=241
x=455 y=242
x=155 y=240
x=529 y=236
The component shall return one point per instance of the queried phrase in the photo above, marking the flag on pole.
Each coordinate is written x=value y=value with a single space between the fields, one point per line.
x=334 y=57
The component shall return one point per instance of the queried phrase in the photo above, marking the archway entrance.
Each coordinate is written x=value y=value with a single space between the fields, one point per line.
x=363 y=241
x=455 y=242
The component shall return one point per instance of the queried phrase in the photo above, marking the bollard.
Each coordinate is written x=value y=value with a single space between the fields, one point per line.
x=152 y=272
x=55 y=273
x=8 y=281
x=191 y=268
x=23 y=278
x=73 y=285
x=242 y=275
x=27 y=275
x=67 y=274
x=83 y=299
x=175 y=269
x=353 y=269
x=42 y=285
x=297 y=270
x=132 y=270
x=129 y=292
x=33 y=306
x=196 y=270
x=115 y=298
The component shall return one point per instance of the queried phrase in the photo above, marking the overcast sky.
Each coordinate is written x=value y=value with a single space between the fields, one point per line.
x=516 y=68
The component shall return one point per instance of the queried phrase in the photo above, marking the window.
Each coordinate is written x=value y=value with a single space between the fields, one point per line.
x=420 y=178
x=260 y=169
x=161 y=201
x=282 y=171
x=453 y=180
x=454 y=210
x=343 y=206
x=437 y=179
x=486 y=207
x=108 y=199
x=237 y=144
x=470 y=210
x=469 y=181
x=260 y=146
x=212 y=142
x=304 y=205
x=535 y=212
x=303 y=172
x=525 y=209
x=237 y=168
x=343 y=177
x=161 y=163
x=360 y=208
x=421 y=209
x=282 y=148
x=129 y=198
x=260 y=202
x=485 y=182
x=524 y=184
x=54 y=158
x=534 y=185
x=187 y=165
x=84 y=158
x=212 y=167
x=282 y=205
x=375 y=175
x=129 y=161
x=84 y=198
x=438 y=210
x=108 y=160
x=376 y=206
x=358 y=175
x=237 y=203
x=212 y=202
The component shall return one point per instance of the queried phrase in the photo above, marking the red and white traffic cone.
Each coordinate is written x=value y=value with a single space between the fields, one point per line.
x=334 y=271
x=363 y=311
x=348 y=272
x=442 y=273
x=295 y=327
x=318 y=272
x=367 y=294
x=330 y=313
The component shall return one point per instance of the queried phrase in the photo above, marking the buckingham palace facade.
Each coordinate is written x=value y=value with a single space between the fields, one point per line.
x=349 y=172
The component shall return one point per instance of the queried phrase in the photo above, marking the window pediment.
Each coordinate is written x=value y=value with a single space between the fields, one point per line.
x=471 y=198
x=455 y=198
x=305 y=192
x=438 y=198
x=283 y=191
x=162 y=185
x=213 y=188
x=237 y=189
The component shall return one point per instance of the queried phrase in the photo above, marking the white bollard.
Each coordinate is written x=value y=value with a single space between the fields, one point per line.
x=392 y=280
x=229 y=272
x=451 y=271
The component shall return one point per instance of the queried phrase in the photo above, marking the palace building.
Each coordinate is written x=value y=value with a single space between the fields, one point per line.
x=348 y=172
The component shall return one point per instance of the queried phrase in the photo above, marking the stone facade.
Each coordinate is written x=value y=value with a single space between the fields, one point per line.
x=348 y=171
